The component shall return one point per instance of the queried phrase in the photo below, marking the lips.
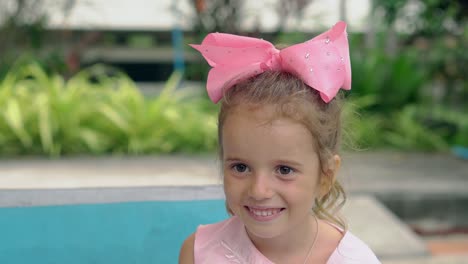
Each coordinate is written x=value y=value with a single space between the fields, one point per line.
x=263 y=213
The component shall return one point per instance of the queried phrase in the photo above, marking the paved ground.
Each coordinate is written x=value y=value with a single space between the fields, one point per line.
x=81 y=180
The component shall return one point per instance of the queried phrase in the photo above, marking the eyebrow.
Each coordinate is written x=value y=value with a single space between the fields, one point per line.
x=280 y=161
x=230 y=159
x=290 y=162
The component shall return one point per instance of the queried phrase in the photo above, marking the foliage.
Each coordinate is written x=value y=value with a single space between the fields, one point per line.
x=393 y=80
x=24 y=35
x=407 y=132
x=95 y=113
x=428 y=18
x=414 y=97
x=438 y=29
x=411 y=127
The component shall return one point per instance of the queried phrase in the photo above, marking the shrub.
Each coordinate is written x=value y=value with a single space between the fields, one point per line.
x=95 y=113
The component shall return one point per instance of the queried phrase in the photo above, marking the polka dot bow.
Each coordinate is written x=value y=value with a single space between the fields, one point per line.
x=322 y=63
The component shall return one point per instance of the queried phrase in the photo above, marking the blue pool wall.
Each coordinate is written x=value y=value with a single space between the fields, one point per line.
x=117 y=233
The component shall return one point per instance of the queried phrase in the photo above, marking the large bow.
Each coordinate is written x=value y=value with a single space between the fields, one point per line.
x=322 y=63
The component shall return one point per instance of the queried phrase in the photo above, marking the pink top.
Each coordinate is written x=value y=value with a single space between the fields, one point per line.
x=228 y=242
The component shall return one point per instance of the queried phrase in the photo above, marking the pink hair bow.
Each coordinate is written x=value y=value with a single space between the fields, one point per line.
x=322 y=62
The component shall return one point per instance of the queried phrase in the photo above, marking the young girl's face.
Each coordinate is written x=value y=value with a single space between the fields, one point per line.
x=271 y=171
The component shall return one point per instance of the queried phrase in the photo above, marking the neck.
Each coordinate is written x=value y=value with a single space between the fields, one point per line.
x=290 y=245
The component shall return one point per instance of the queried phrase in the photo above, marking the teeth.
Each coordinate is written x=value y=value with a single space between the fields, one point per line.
x=266 y=212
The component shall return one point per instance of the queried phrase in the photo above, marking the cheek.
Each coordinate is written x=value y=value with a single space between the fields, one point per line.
x=233 y=198
x=304 y=195
x=232 y=189
x=304 y=192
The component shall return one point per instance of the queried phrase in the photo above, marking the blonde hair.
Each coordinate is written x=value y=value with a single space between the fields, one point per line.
x=293 y=99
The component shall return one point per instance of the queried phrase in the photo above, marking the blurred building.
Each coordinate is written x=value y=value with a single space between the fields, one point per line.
x=164 y=14
x=138 y=36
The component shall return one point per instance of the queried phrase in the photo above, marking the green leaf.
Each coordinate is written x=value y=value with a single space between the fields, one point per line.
x=14 y=119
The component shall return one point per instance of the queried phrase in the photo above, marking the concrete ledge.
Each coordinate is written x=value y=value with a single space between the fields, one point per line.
x=108 y=172
x=46 y=197
x=457 y=259
x=381 y=229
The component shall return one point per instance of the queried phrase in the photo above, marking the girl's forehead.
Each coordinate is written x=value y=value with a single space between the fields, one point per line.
x=265 y=118
x=248 y=118
x=260 y=139
x=266 y=111
x=267 y=114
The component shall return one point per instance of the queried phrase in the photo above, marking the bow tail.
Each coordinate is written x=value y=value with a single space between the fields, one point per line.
x=324 y=79
x=328 y=88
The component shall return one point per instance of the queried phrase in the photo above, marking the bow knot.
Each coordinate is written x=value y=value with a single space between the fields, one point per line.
x=274 y=63
x=322 y=63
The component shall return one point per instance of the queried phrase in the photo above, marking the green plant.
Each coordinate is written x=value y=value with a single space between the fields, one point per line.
x=394 y=81
x=97 y=114
x=413 y=127
x=408 y=133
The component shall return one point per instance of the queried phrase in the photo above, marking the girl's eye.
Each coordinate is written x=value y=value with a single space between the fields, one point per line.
x=240 y=167
x=285 y=170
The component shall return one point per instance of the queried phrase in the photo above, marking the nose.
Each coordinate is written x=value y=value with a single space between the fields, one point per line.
x=260 y=187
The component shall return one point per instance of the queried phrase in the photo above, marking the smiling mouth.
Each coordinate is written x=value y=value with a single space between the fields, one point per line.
x=264 y=212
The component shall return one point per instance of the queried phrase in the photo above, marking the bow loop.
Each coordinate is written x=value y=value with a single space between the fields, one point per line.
x=338 y=37
x=322 y=62
x=221 y=48
x=319 y=66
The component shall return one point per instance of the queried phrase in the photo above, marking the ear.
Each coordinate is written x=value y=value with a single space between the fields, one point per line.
x=329 y=177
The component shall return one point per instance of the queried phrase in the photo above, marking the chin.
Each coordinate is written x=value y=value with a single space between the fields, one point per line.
x=261 y=230
x=264 y=233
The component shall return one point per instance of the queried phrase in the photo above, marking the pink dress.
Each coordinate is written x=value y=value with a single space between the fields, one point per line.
x=228 y=242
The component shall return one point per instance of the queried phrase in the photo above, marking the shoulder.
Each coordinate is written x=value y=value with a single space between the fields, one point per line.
x=353 y=250
x=201 y=244
x=206 y=233
x=186 y=255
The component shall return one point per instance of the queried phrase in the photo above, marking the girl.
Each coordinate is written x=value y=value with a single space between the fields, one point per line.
x=279 y=135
